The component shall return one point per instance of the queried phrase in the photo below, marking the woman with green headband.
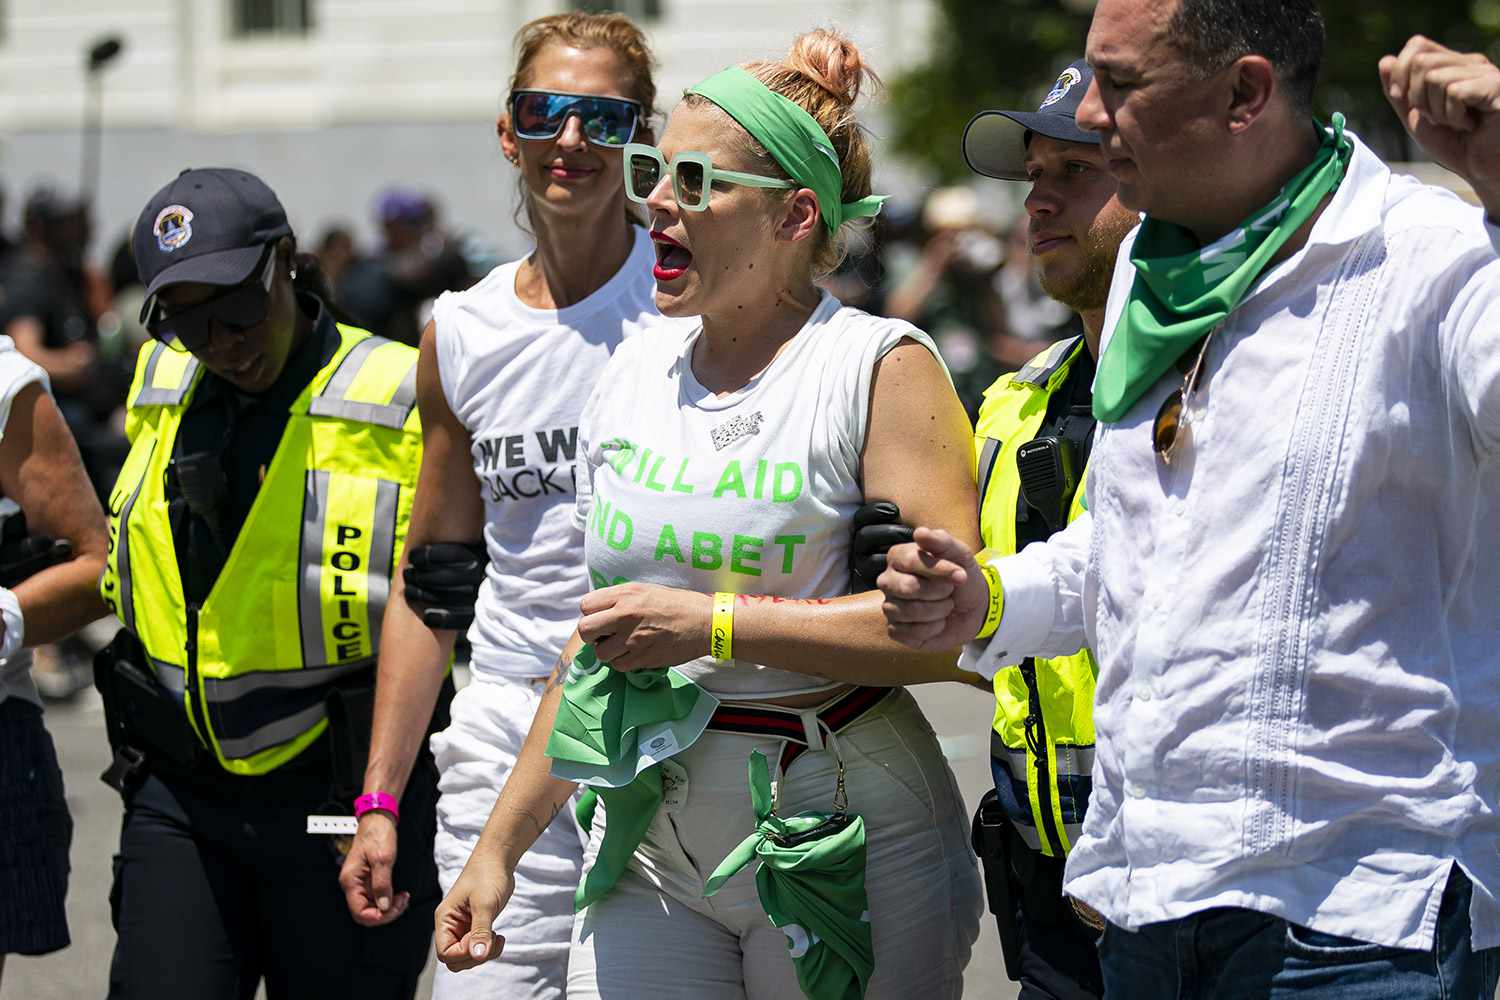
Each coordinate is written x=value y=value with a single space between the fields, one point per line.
x=721 y=460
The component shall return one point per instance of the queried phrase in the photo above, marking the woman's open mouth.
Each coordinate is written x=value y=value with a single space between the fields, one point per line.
x=672 y=258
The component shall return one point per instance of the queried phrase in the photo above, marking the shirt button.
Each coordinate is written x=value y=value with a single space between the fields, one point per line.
x=1143 y=691
x=1134 y=791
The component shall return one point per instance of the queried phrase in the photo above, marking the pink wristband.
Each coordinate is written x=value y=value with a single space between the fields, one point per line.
x=383 y=801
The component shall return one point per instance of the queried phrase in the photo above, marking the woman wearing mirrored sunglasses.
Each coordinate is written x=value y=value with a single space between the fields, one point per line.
x=720 y=464
x=252 y=535
x=505 y=369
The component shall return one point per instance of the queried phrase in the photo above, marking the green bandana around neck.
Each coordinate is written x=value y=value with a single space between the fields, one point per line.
x=611 y=732
x=792 y=137
x=1182 y=291
x=813 y=890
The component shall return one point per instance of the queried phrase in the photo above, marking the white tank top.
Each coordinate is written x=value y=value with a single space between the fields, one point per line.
x=751 y=492
x=517 y=379
x=16 y=373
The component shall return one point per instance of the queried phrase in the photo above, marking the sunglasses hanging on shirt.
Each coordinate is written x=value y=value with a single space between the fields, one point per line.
x=1171 y=429
x=239 y=308
x=606 y=121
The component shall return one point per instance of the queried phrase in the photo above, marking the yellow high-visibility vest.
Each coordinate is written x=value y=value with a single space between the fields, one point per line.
x=1044 y=709
x=299 y=601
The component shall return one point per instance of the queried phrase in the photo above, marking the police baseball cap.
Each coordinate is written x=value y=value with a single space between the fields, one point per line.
x=995 y=141
x=209 y=226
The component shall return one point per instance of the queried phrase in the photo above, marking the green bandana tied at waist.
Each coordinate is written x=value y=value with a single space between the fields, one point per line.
x=813 y=890
x=612 y=730
x=1182 y=291
x=794 y=139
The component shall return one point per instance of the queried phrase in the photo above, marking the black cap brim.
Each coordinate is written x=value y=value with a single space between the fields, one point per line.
x=995 y=141
x=226 y=267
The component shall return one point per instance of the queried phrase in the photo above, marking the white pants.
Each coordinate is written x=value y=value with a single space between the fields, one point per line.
x=655 y=937
x=474 y=756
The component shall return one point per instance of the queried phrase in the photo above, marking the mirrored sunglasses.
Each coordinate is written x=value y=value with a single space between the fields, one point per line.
x=241 y=307
x=606 y=121
x=693 y=176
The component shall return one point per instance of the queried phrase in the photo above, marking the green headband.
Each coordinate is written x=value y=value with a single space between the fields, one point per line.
x=792 y=137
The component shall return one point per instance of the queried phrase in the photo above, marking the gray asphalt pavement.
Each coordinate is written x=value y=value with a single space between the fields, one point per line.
x=960 y=715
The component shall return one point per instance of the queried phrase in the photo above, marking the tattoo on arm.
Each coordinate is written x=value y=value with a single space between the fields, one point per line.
x=535 y=820
x=559 y=672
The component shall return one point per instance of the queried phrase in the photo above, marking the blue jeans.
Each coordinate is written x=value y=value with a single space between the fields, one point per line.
x=1235 y=954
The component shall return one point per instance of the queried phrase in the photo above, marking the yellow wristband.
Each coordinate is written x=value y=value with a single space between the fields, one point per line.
x=996 y=596
x=721 y=636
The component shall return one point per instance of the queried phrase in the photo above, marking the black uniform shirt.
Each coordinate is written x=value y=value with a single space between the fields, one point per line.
x=226 y=442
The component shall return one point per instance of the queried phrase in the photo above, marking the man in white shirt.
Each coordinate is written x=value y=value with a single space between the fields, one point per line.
x=1290 y=570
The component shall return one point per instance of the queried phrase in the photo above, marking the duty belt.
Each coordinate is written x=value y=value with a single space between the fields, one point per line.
x=787 y=723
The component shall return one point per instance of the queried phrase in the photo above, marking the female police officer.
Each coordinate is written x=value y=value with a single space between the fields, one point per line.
x=252 y=535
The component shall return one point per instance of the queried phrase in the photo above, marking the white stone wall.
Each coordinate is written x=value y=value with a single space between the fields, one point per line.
x=367 y=60
x=379 y=91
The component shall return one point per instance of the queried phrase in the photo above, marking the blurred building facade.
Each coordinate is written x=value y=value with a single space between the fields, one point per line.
x=332 y=100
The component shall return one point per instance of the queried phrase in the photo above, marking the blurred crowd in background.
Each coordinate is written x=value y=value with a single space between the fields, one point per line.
x=944 y=265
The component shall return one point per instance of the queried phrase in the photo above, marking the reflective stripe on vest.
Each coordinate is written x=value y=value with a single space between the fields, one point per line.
x=355 y=393
x=170 y=676
x=348 y=552
x=254 y=712
x=1033 y=837
x=1071 y=783
x=1039 y=370
x=1013 y=413
x=989 y=454
x=298 y=603
x=125 y=606
x=168 y=377
x=1072 y=761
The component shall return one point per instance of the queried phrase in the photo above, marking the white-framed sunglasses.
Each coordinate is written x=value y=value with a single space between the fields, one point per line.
x=693 y=176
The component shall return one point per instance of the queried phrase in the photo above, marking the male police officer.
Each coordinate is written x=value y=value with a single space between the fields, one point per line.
x=1033 y=437
x=1032 y=442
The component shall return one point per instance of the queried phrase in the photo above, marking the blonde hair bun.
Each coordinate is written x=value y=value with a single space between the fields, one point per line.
x=832 y=61
x=823 y=74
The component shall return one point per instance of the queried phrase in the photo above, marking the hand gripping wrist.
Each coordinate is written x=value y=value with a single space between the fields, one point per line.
x=995 y=603
x=377 y=801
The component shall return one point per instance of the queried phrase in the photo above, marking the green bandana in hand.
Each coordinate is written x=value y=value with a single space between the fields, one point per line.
x=612 y=729
x=813 y=889
x=794 y=139
x=1182 y=290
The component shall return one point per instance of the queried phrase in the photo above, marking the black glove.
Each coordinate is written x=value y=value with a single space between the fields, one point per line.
x=23 y=555
x=877 y=527
x=442 y=583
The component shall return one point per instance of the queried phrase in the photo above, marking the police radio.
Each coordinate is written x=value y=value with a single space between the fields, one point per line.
x=1049 y=477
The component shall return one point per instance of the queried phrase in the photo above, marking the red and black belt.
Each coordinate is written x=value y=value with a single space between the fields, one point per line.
x=786 y=723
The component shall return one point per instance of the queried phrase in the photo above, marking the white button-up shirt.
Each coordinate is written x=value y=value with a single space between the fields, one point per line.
x=1298 y=622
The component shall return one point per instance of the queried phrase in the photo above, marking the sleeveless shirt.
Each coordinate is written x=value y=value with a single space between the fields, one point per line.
x=517 y=378
x=751 y=492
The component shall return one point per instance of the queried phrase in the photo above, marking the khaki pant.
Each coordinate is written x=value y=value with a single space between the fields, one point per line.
x=655 y=938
